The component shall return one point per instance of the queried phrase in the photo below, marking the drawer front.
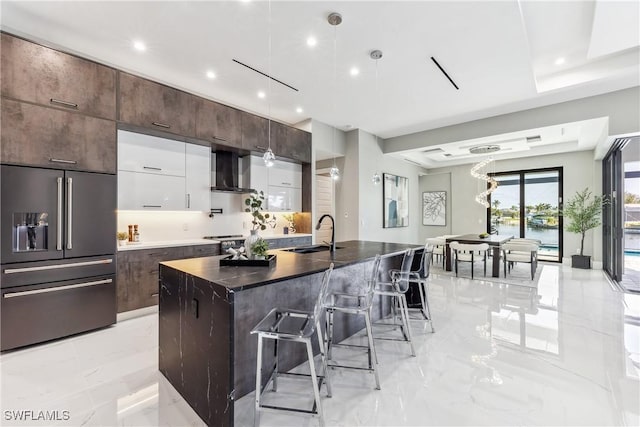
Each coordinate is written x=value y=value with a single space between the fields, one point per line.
x=201 y=251
x=150 y=154
x=34 y=73
x=38 y=313
x=29 y=273
x=42 y=136
x=143 y=191
x=155 y=106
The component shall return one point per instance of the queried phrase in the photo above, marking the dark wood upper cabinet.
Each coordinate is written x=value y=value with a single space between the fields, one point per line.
x=255 y=132
x=152 y=105
x=43 y=136
x=218 y=123
x=296 y=146
x=34 y=73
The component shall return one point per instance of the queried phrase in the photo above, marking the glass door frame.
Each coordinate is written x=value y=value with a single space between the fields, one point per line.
x=522 y=173
x=613 y=213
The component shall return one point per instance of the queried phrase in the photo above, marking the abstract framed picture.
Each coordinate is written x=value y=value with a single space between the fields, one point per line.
x=395 y=194
x=434 y=208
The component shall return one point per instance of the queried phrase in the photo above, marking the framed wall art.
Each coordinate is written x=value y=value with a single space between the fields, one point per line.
x=434 y=208
x=396 y=201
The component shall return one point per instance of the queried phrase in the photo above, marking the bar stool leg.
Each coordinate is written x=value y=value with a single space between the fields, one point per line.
x=405 y=318
x=426 y=309
x=372 y=364
x=274 y=386
x=329 y=330
x=256 y=416
x=314 y=380
x=324 y=359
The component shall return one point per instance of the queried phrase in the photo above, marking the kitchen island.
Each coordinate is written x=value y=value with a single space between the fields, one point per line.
x=207 y=311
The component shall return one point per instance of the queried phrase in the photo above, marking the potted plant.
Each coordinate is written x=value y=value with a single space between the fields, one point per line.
x=259 y=249
x=291 y=228
x=253 y=205
x=123 y=237
x=583 y=212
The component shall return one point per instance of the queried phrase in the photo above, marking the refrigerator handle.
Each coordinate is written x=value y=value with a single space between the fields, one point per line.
x=69 y=212
x=59 y=224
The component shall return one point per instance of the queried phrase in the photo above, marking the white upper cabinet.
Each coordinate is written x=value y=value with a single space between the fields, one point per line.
x=281 y=183
x=285 y=174
x=150 y=154
x=145 y=191
x=198 y=178
x=162 y=174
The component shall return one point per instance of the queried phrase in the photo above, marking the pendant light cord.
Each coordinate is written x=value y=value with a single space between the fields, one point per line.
x=335 y=87
x=269 y=79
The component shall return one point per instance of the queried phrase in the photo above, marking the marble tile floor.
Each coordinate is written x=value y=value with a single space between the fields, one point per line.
x=564 y=353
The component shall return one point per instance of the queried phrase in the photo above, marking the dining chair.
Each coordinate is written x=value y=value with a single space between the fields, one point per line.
x=467 y=252
x=438 y=245
x=525 y=252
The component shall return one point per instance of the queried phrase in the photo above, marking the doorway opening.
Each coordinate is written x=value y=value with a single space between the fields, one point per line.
x=527 y=204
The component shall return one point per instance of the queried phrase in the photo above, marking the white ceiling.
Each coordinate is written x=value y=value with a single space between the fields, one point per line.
x=500 y=53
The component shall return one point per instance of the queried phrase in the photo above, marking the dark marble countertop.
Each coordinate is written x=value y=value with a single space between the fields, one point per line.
x=289 y=265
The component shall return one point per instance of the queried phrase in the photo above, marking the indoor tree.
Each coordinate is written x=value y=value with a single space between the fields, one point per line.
x=583 y=212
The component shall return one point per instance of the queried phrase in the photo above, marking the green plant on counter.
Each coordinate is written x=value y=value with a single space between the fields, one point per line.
x=254 y=206
x=260 y=248
x=122 y=235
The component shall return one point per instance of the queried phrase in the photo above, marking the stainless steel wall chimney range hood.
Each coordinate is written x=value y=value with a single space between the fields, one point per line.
x=227 y=173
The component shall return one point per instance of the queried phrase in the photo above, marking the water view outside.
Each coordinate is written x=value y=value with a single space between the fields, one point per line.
x=540 y=216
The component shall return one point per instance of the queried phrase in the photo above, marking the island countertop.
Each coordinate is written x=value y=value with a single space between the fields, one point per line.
x=288 y=265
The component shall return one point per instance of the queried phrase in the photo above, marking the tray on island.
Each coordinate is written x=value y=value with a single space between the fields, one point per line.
x=269 y=261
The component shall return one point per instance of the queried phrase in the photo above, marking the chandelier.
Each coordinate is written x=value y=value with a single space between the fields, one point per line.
x=476 y=172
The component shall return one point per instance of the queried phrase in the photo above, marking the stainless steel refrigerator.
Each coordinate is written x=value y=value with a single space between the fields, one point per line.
x=58 y=243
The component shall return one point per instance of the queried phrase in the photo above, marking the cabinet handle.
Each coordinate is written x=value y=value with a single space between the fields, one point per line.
x=285 y=183
x=151 y=168
x=151 y=206
x=59 y=222
x=68 y=162
x=219 y=139
x=59 y=288
x=56 y=266
x=69 y=213
x=260 y=147
x=63 y=103
x=188 y=201
x=154 y=295
x=162 y=125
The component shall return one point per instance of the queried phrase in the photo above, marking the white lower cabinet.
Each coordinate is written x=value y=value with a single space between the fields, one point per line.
x=145 y=191
x=198 y=178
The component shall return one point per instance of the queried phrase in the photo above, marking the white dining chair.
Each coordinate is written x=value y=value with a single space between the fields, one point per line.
x=526 y=252
x=467 y=252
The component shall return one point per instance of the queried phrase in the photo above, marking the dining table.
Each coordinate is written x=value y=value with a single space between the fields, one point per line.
x=494 y=241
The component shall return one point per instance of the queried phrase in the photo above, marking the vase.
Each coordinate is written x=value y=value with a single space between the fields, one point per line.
x=292 y=227
x=249 y=241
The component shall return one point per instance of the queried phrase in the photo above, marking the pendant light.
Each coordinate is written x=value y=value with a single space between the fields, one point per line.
x=376 y=55
x=268 y=155
x=334 y=19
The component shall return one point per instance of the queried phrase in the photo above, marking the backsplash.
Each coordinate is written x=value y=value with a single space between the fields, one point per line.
x=178 y=225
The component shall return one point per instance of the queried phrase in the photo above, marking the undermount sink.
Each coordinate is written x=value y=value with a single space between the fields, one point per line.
x=310 y=249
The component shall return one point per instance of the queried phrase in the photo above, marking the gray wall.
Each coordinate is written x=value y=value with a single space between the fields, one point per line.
x=466 y=216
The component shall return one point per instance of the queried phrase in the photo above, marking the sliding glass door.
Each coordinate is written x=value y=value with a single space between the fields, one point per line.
x=526 y=204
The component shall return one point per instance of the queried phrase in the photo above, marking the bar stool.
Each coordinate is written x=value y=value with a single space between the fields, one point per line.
x=396 y=289
x=359 y=304
x=420 y=277
x=297 y=326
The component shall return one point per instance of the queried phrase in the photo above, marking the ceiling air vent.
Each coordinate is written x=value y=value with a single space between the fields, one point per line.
x=432 y=151
x=484 y=149
x=536 y=138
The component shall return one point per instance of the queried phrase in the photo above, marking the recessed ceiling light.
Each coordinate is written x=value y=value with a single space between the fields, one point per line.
x=354 y=71
x=561 y=60
x=139 y=45
x=261 y=94
x=211 y=75
x=299 y=110
x=311 y=41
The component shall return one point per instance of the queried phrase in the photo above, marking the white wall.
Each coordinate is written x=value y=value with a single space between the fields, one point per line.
x=467 y=216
